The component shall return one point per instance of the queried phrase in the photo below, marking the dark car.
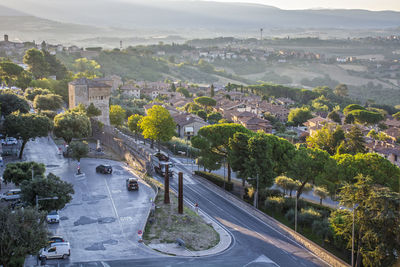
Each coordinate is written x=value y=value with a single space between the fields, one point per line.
x=132 y=184
x=105 y=169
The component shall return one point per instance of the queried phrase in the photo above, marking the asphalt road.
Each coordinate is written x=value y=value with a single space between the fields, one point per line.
x=254 y=242
x=103 y=218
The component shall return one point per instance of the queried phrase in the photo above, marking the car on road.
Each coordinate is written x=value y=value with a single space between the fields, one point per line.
x=132 y=184
x=105 y=169
x=56 y=251
x=13 y=194
x=56 y=239
x=9 y=141
x=53 y=217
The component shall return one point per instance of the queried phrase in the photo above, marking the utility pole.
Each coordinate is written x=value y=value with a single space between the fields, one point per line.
x=166 y=185
x=256 y=194
x=180 y=194
x=295 y=215
x=261 y=32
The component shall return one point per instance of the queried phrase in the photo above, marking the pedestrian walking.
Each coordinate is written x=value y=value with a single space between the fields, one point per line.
x=196 y=207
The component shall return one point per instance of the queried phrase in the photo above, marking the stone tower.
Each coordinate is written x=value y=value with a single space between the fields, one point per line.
x=96 y=91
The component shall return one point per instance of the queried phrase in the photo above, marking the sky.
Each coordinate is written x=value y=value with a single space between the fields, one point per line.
x=337 y=4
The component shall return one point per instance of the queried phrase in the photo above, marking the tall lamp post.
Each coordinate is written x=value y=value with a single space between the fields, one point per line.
x=352 y=236
x=256 y=193
x=43 y=198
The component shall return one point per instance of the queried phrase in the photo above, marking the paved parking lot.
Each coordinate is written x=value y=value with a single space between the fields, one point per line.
x=103 y=219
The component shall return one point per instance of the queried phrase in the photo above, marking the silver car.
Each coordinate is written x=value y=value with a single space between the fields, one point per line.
x=13 y=194
x=53 y=217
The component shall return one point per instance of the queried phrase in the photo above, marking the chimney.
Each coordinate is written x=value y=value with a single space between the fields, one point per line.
x=5 y=38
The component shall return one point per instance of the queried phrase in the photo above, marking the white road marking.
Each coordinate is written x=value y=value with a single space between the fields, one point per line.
x=262 y=259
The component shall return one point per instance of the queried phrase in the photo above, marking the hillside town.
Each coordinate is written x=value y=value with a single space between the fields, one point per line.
x=113 y=167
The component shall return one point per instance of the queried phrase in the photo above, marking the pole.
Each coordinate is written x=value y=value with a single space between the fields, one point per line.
x=257 y=193
x=180 y=195
x=37 y=202
x=224 y=174
x=32 y=171
x=352 y=241
x=295 y=215
x=166 y=185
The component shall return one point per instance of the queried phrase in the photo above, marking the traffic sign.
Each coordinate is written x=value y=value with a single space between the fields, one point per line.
x=139 y=232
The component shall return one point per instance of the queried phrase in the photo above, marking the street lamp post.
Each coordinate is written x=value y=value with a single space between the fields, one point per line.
x=256 y=194
x=352 y=236
x=295 y=214
x=43 y=198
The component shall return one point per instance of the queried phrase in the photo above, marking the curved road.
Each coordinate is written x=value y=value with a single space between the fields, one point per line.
x=254 y=242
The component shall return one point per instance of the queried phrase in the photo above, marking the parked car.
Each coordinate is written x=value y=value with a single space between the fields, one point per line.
x=9 y=141
x=13 y=194
x=53 y=217
x=56 y=239
x=105 y=169
x=55 y=251
x=132 y=184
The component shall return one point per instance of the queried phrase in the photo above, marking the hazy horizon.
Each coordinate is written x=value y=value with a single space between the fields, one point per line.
x=372 y=5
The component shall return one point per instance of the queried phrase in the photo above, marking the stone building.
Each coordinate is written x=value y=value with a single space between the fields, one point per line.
x=96 y=91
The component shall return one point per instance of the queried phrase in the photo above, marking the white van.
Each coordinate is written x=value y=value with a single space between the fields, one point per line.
x=56 y=250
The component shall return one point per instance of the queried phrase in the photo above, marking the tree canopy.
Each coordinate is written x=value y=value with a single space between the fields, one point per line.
x=23 y=232
x=71 y=125
x=214 y=139
x=27 y=126
x=158 y=124
x=31 y=93
x=133 y=123
x=377 y=221
x=10 y=102
x=48 y=102
x=17 y=172
x=341 y=90
x=86 y=68
x=328 y=138
x=379 y=169
x=36 y=62
x=79 y=149
x=312 y=165
x=49 y=186
x=299 y=116
x=205 y=101
x=92 y=111
x=117 y=115
x=366 y=116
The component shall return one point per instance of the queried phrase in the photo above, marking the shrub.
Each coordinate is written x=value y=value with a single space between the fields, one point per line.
x=177 y=144
x=216 y=179
x=322 y=228
x=274 y=204
x=289 y=215
x=307 y=216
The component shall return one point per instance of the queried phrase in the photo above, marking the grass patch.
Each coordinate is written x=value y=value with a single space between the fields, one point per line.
x=166 y=225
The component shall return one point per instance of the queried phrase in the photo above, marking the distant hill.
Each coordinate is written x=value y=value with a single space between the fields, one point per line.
x=177 y=15
x=5 y=11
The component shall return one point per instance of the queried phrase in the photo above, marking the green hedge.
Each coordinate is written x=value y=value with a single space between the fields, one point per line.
x=216 y=179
